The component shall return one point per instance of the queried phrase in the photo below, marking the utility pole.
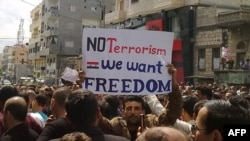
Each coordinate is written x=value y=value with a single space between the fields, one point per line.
x=59 y=62
x=103 y=11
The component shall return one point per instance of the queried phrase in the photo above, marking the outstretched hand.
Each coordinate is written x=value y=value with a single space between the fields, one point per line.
x=172 y=71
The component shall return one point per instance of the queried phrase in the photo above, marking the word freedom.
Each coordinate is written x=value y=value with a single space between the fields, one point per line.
x=127 y=85
x=99 y=44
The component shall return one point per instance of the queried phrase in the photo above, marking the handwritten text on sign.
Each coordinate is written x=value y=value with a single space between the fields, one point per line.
x=126 y=61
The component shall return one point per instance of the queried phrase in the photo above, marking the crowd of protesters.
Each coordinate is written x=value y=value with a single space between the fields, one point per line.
x=71 y=113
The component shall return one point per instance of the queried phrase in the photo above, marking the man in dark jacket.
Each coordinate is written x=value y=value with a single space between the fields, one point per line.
x=83 y=115
x=15 y=111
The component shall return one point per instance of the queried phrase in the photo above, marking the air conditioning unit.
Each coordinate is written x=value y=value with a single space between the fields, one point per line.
x=130 y=24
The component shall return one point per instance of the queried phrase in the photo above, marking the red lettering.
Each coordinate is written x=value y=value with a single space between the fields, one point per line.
x=110 y=40
x=117 y=49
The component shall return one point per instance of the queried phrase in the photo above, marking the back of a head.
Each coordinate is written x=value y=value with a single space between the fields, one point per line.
x=17 y=107
x=198 y=106
x=162 y=134
x=205 y=91
x=239 y=100
x=25 y=96
x=221 y=112
x=81 y=108
x=75 y=136
x=41 y=100
x=188 y=104
x=7 y=92
x=109 y=106
x=60 y=95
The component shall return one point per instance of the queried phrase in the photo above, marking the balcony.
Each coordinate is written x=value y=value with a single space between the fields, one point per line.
x=51 y=49
x=50 y=32
x=115 y=17
x=35 y=24
x=52 y=13
x=232 y=76
x=167 y=4
x=234 y=19
x=153 y=6
x=43 y=52
x=32 y=55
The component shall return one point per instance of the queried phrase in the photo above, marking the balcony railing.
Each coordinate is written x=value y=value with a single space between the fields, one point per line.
x=52 y=13
x=50 y=32
x=115 y=17
x=236 y=18
x=153 y=6
x=35 y=23
x=232 y=76
x=168 y=4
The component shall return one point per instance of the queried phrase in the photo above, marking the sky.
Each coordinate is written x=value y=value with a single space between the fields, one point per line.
x=11 y=13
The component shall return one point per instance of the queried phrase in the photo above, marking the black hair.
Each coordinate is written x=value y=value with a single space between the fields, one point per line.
x=41 y=100
x=188 y=104
x=136 y=98
x=81 y=108
x=7 y=92
x=198 y=105
x=221 y=112
x=109 y=106
x=205 y=91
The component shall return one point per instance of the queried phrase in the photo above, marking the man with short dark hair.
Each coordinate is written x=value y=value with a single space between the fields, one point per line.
x=133 y=107
x=203 y=93
x=215 y=114
x=188 y=108
x=83 y=115
x=57 y=104
x=38 y=105
x=15 y=111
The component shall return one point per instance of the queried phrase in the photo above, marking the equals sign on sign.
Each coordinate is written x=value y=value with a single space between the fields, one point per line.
x=93 y=65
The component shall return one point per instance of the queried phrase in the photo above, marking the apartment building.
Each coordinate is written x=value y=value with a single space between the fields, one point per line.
x=60 y=32
x=198 y=35
x=15 y=62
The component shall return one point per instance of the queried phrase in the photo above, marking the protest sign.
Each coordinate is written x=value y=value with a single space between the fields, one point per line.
x=70 y=75
x=127 y=62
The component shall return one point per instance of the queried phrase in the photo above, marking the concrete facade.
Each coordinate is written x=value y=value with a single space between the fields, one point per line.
x=14 y=56
x=201 y=32
x=60 y=32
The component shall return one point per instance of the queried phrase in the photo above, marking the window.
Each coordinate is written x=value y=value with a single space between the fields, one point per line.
x=72 y=7
x=216 y=58
x=133 y=1
x=201 y=59
x=93 y=8
x=176 y=27
x=240 y=58
x=241 y=50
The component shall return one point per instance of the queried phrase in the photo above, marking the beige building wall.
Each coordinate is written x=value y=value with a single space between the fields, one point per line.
x=19 y=53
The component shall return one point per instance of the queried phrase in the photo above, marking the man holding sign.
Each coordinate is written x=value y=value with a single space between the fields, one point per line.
x=117 y=63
